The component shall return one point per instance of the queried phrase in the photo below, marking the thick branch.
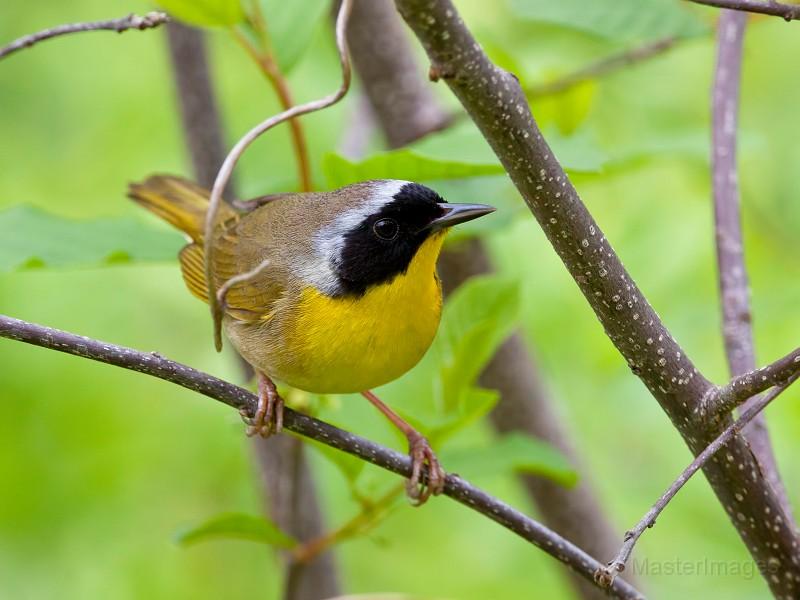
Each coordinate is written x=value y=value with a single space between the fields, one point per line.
x=734 y=290
x=602 y=67
x=406 y=109
x=456 y=488
x=495 y=102
x=788 y=12
x=148 y=21
x=617 y=565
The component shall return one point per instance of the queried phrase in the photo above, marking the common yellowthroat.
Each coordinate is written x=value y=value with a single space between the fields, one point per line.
x=349 y=299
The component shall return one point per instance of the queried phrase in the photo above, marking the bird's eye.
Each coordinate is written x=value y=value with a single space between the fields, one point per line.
x=386 y=229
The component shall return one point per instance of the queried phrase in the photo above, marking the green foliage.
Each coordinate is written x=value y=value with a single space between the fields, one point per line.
x=401 y=164
x=456 y=153
x=347 y=464
x=477 y=318
x=292 y=26
x=30 y=237
x=515 y=452
x=618 y=20
x=237 y=526
x=205 y=13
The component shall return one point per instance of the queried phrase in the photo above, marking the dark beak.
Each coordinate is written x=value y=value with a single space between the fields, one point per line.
x=459 y=213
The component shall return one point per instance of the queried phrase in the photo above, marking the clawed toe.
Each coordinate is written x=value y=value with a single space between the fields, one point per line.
x=422 y=455
x=268 y=418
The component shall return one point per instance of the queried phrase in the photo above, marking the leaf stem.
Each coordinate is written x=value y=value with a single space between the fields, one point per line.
x=266 y=63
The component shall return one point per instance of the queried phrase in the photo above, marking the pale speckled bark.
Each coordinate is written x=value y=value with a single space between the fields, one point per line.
x=524 y=405
x=733 y=284
x=285 y=475
x=495 y=102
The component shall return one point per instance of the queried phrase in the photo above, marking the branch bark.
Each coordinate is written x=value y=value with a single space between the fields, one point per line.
x=406 y=109
x=496 y=103
x=789 y=12
x=148 y=21
x=456 y=488
x=607 y=575
x=733 y=285
x=287 y=481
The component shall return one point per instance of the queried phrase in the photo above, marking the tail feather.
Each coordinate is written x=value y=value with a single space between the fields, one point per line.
x=178 y=201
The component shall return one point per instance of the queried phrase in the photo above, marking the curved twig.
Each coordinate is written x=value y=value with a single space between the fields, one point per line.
x=455 y=487
x=233 y=157
x=607 y=575
x=148 y=21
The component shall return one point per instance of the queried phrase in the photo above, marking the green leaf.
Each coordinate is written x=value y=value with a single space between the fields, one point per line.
x=459 y=152
x=292 y=27
x=618 y=20
x=477 y=318
x=205 y=13
x=475 y=404
x=402 y=164
x=32 y=238
x=513 y=452
x=237 y=526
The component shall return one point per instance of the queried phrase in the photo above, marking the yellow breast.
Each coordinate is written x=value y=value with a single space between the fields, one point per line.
x=352 y=344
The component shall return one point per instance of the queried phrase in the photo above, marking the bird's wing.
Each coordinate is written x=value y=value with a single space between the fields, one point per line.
x=250 y=300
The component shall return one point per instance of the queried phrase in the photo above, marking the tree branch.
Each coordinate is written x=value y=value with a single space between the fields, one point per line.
x=602 y=67
x=148 y=21
x=405 y=108
x=606 y=575
x=456 y=488
x=733 y=285
x=789 y=12
x=744 y=387
x=496 y=103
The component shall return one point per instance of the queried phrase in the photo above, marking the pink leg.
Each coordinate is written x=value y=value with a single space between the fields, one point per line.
x=421 y=454
x=269 y=414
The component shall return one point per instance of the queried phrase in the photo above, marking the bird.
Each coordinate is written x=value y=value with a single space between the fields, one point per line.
x=342 y=294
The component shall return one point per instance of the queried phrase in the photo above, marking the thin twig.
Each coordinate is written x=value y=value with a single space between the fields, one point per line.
x=368 y=517
x=455 y=487
x=233 y=157
x=734 y=290
x=789 y=12
x=269 y=68
x=744 y=387
x=607 y=575
x=602 y=67
x=148 y=21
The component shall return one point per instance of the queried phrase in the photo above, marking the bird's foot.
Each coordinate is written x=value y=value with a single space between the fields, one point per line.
x=268 y=418
x=422 y=455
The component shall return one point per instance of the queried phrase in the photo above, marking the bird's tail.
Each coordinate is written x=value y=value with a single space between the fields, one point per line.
x=178 y=201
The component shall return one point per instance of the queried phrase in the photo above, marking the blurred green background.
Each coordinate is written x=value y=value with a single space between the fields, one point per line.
x=101 y=467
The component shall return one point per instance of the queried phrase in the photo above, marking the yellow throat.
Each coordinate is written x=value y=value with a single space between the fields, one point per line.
x=352 y=344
